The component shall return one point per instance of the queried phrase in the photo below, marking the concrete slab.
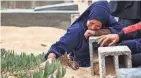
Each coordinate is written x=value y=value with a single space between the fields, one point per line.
x=115 y=52
x=62 y=6
x=128 y=73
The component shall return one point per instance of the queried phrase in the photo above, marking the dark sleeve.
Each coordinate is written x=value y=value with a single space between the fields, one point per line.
x=117 y=7
x=66 y=43
x=126 y=9
x=131 y=32
x=114 y=26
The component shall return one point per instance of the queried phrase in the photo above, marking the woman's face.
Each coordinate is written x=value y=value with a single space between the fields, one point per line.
x=94 y=24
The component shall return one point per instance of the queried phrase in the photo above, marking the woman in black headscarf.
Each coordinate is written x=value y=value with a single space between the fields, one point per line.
x=95 y=19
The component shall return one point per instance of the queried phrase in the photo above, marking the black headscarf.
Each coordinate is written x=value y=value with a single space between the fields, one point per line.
x=98 y=10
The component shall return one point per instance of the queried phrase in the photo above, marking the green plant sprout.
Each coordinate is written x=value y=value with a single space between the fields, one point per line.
x=20 y=65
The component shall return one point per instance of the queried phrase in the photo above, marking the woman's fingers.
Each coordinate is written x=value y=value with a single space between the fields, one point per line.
x=104 y=41
x=101 y=38
x=113 y=42
x=109 y=39
x=86 y=35
x=89 y=33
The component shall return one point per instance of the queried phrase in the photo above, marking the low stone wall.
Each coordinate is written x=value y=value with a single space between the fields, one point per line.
x=27 y=4
x=59 y=20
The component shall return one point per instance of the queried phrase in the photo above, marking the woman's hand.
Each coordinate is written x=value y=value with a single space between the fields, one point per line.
x=52 y=55
x=50 y=59
x=109 y=39
x=89 y=33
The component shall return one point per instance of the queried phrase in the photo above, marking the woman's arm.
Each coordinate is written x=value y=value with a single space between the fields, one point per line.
x=67 y=43
x=114 y=26
x=131 y=32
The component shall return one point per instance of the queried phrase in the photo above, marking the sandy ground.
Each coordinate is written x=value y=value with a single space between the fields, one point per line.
x=36 y=40
x=29 y=39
